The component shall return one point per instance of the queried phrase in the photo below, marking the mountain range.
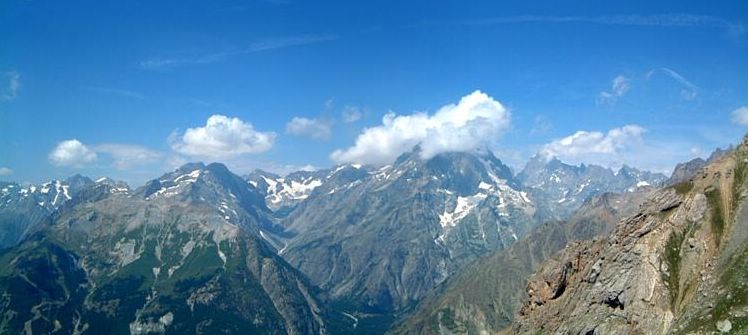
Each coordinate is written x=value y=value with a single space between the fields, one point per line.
x=438 y=245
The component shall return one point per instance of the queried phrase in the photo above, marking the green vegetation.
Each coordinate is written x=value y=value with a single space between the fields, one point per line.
x=740 y=170
x=714 y=199
x=673 y=261
x=447 y=319
x=683 y=187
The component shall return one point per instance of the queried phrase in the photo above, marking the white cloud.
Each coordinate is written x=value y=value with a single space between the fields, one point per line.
x=618 y=88
x=222 y=137
x=476 y=120
x=351 y=114
x=618 y=146
x=4 y=171
x=313 y=128
x=126 y=156
x=71 y=153
x=584 y=143
x=13 y=86
x=740 y=116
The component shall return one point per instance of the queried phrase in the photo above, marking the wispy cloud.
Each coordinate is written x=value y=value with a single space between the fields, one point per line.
x=658 y=20
x=4 y=171
x=10 y=92
x=689 y=90
x=257 y=46
x=125 y=156
x=541 y=125
x=740 y=116
x=318 y=129
x=351 y=114
x=618 y=88
x=116 y=91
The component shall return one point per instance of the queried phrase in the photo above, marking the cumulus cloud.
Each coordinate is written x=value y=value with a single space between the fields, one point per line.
x=10 y=92
x=624 y=145
x=619 y=87
x=471 y=123
x=351 y=114
x=71 y=153
x=740 y=116
x=594 y=142
x=126 y=156
x=4 y=171
x=313 y=128
x=222 y=137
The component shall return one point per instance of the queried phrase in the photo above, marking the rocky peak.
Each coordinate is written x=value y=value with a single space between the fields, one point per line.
x=685 y=171
x=213 y=185
x=561 y=188
x=78 y=182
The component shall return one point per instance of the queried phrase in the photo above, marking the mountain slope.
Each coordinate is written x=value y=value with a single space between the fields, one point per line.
x=485 y=295
x=382 y=242
x=677 y=267
x=283 y=194
x=22 y=209
x=182 y=255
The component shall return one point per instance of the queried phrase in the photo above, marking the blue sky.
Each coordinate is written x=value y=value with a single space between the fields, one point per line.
x=291 y=83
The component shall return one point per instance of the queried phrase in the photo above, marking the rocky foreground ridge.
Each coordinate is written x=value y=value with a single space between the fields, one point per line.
x=679 y=266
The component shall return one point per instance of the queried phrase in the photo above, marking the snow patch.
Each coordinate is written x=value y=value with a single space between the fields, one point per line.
x=294 y=190
x=462 y=209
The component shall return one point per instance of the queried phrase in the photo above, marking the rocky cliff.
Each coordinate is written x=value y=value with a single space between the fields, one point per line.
x=679 y=266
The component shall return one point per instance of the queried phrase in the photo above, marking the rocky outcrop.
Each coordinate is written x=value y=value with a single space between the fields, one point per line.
x=668 y=269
